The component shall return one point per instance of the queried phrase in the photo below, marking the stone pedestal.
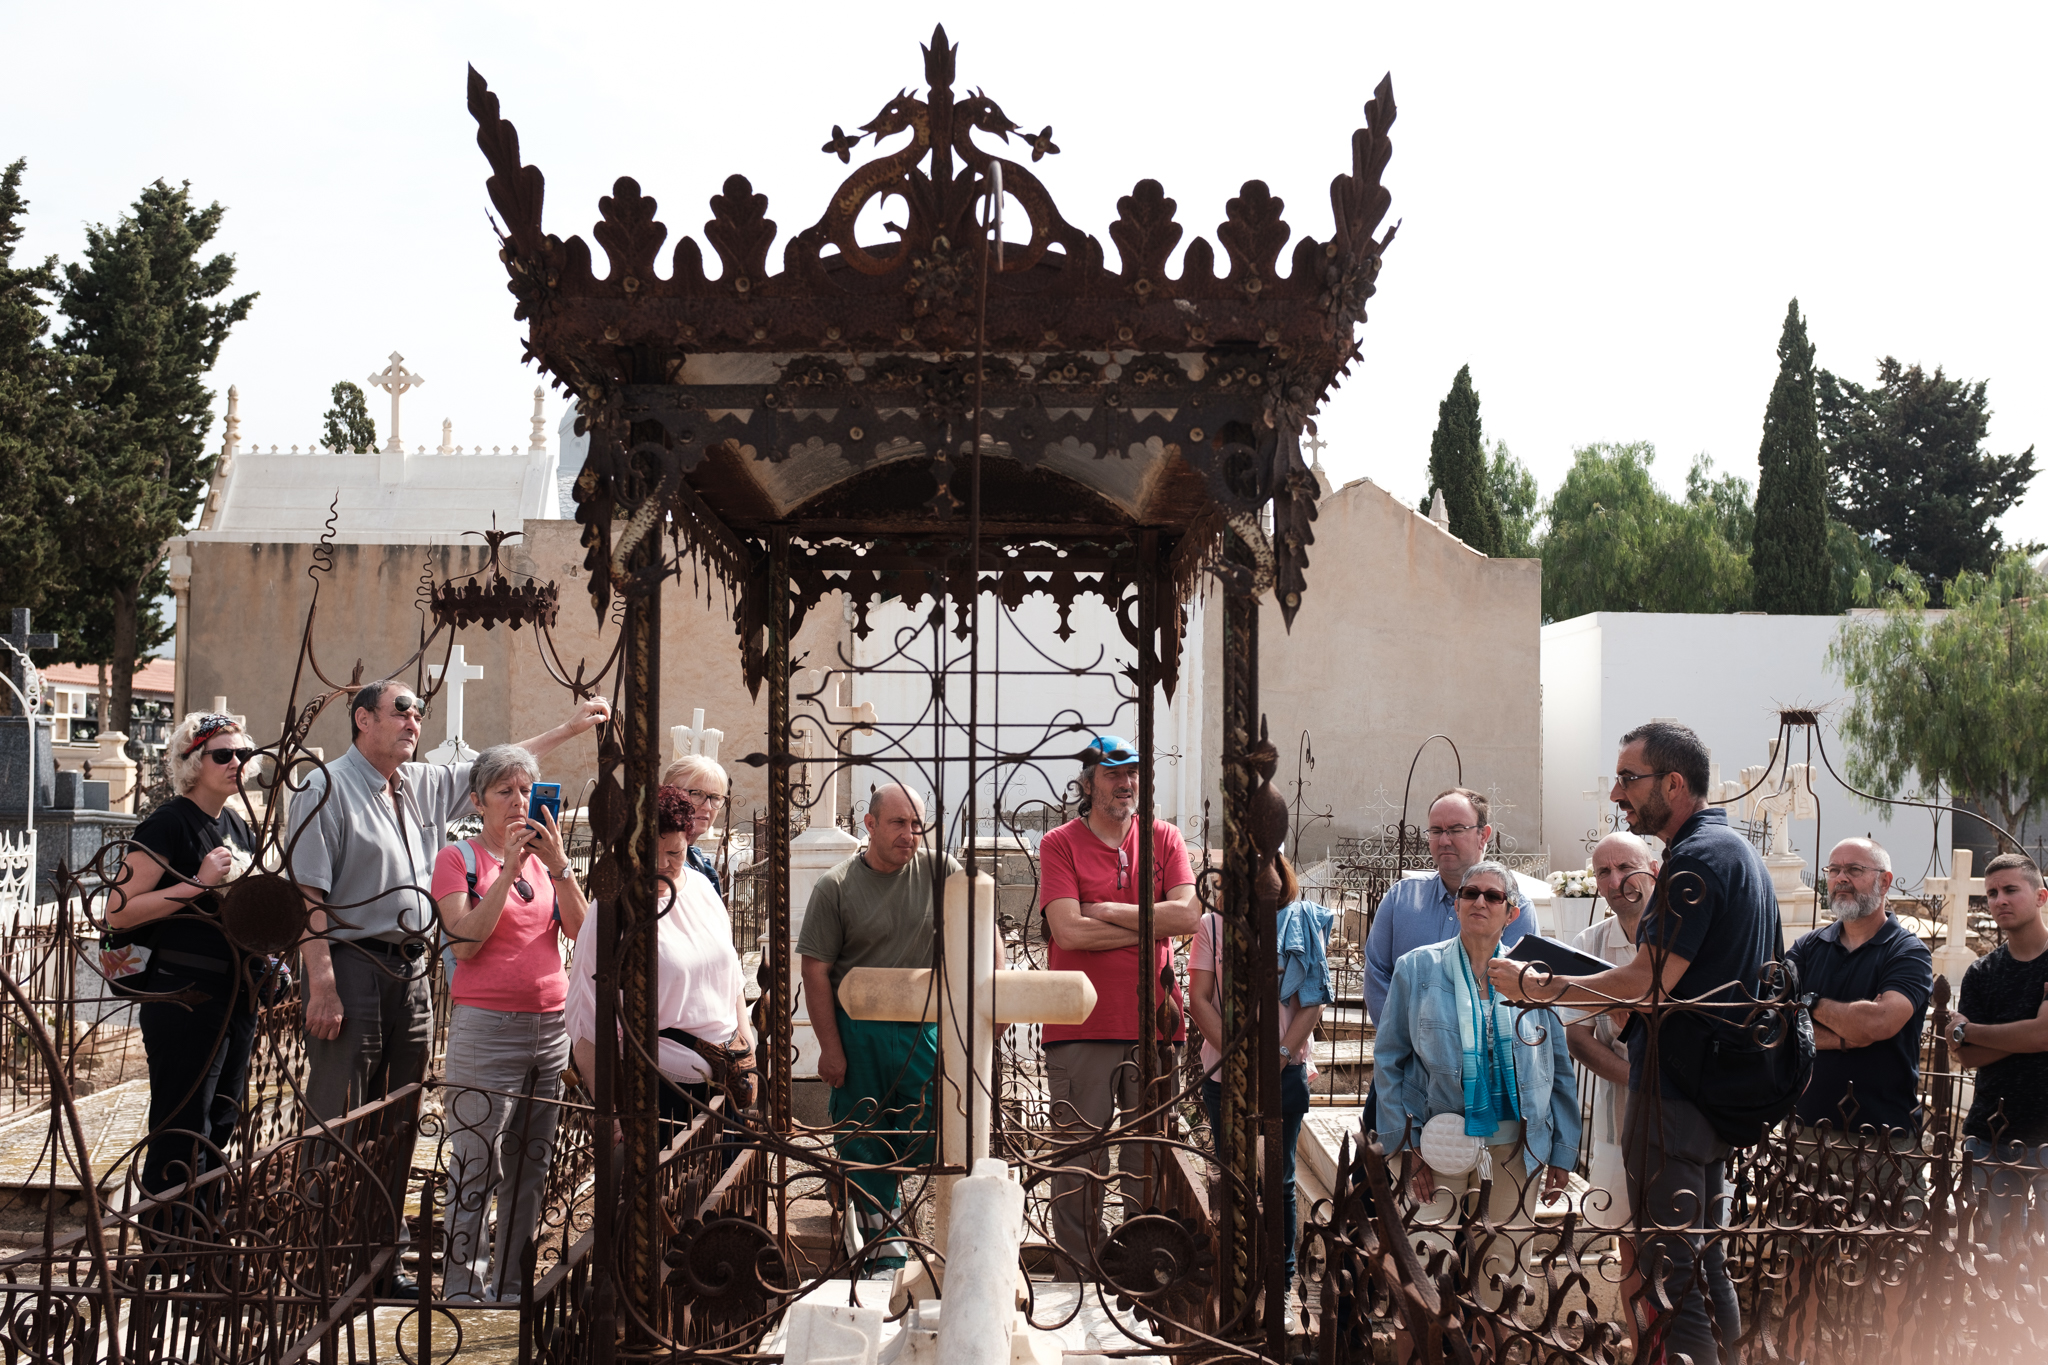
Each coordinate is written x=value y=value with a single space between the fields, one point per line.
x=113 y=766
x=812 y=854
x=1797 y=902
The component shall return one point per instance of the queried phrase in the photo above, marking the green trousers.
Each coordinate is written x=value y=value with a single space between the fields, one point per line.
x=888 y=1093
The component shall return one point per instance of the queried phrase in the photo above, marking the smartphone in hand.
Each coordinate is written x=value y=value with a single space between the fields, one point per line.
x=545 y=796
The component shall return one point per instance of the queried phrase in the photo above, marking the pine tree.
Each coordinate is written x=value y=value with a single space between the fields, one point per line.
x=139 y=313
x=1910 y=474
x=1457 y=464
x=1793 y=573
x=350 y=428
x=1515 y=494
x=35 y=412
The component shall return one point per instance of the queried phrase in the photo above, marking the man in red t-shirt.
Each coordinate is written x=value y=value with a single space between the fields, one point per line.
x=1087 y=886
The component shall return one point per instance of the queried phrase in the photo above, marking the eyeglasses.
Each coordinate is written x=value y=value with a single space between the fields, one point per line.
x=1450 y=831
x=524 y=888
x=402 y=706
x=225 y=757
x=1473 y=893
x=711 y=799
x=1627 y=779
x=1834 y=871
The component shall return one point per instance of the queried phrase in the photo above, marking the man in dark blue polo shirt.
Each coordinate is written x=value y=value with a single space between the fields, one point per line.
x=1714 y=923
x=1866 y=979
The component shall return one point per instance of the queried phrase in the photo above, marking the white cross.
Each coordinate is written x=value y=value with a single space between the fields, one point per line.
x=396 y=380
x=460 y=673
x=1956 y=889
x=1006 y=997
x=1315 y=446
x=694 y=738
x=821 y=741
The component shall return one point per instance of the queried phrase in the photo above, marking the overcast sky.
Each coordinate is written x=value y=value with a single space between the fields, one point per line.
x=1604 y=208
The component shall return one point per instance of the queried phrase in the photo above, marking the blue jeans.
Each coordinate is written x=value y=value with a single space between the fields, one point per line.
x=1293 y=1109
x=2006 y=1186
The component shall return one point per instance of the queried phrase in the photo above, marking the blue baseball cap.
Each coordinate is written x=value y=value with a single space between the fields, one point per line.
x=1109 y=751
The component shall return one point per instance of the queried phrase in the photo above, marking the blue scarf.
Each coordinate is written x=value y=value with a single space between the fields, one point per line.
x=1489 y=1056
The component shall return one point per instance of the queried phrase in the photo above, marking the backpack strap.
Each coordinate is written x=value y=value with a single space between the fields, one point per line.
x=469 y=865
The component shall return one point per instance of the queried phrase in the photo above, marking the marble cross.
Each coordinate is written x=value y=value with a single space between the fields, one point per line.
x=694 y=738
x=461 y=672
x=1315 y=446
x=396 y=380
x=821 y=728
x=1954 y=957
x=21 y=640
x=973 y=991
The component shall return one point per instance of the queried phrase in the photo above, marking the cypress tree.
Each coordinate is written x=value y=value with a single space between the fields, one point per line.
x=349 y=426
x=142 y=317
x=1793 y=573
x=34 y=412
x=1458 y=465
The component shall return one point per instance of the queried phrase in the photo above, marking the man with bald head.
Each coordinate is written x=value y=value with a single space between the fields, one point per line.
x=875 y=910
x=1624 y=873
x=1865 y=979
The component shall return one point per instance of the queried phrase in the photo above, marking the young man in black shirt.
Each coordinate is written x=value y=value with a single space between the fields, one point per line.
x=2001 y=1028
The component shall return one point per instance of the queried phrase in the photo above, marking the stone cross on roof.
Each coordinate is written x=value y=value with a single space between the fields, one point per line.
x=21 y=640
x=396 y=380
x=1315 y=446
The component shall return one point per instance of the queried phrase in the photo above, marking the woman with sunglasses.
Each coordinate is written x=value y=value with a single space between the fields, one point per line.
x=1469 y=1086
x=163 y=913
x=505 y=898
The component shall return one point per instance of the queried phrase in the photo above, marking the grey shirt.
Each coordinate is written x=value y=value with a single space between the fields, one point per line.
x=375 y=866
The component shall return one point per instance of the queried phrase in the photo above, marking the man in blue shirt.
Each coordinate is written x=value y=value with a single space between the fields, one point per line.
x=1418 y=911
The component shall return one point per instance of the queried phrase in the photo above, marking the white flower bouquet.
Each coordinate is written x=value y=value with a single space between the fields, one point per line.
x=1572 y=884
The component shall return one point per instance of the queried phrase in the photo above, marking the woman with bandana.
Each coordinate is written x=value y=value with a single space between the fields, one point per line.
x=166 y=940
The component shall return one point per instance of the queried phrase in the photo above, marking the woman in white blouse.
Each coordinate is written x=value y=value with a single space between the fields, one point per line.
x=700 y=993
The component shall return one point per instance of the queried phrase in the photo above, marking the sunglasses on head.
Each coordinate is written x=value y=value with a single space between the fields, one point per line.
x=402 y=706
x=224 y=757
x=1487 y=894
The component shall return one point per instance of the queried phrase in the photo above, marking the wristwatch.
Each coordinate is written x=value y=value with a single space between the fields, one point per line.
x=1956 y=1034
x=1286 y=1055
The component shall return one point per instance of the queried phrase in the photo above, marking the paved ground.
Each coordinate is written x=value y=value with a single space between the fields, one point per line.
x=114 y=1121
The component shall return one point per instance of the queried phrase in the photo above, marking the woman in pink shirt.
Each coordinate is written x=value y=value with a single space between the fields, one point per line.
x=506 y=1030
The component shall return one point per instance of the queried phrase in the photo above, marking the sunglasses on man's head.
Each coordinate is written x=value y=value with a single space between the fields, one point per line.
x=401 y=706
x=1489 y=895
x=224 y=757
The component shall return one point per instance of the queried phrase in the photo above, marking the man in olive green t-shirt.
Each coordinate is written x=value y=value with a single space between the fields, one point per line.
x=875 y=910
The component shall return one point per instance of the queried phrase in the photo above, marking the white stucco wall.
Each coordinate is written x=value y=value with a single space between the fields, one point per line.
x=1726 y=677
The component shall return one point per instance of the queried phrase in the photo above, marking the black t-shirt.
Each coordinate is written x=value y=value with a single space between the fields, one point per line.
x=2000 y=989
x=1714 y=907
x=1886 y=1075
x=182 y=834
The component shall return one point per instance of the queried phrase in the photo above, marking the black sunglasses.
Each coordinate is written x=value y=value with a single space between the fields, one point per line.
x=524 y=889
x=237 y=757
x=407 y=705
x=1473 y=893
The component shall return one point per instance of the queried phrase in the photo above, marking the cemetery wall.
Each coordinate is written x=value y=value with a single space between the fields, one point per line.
x=1726 y=677
x=248 y=603
x=1405 y=632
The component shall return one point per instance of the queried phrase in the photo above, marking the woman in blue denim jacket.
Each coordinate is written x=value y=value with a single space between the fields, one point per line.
x=1448 y=1044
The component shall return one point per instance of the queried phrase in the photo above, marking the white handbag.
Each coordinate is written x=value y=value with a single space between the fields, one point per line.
x=1447 y=1147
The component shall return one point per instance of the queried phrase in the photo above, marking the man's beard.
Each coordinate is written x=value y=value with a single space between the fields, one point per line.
x=1860 y=906
x=1648 y=816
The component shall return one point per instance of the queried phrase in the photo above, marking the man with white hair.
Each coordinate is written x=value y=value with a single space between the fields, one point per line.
x=1624 y=873
x=1865 y=980
x=702 y=780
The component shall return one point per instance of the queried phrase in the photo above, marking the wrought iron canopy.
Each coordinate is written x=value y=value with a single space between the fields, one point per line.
x=838 y=396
